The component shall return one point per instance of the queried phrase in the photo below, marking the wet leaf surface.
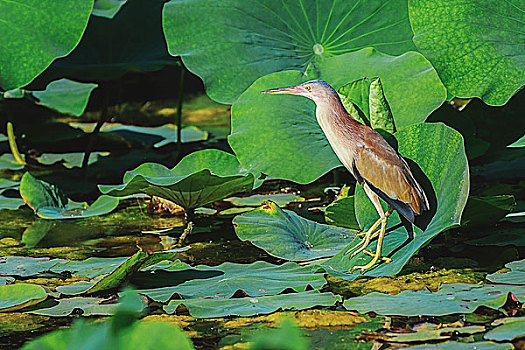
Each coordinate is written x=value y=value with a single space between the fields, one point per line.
x=516 y=275
x=507 y=329
x=286 y=235
x=20 y=295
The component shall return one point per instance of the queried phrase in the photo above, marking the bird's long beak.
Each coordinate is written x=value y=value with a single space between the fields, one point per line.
x=291 y=90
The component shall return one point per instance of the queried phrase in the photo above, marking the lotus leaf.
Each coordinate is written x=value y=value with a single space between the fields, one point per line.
x=259 y=119
x=286 y=235
x=485 y=211
x=452 y=345
x=66 y=306
x=7 y=161
x=31 y=39
x=65 y=96
x=281 y=199
x=509 y=328
x=19 y=295
x=11 y=203
x=341 y=212
x=49 y=202
x=516 y=275
x=439 y=153
x=249 y=306
x=200 y=178
x=257 y=279
x=449 y=299
x=433 y=334
x=486 y=59
x=107 y=8
x=25 y=266
x=112 y=47
x=70 y=160
x=270 y=36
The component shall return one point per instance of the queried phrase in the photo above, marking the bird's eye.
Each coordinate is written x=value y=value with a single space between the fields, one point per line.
x=307 y=88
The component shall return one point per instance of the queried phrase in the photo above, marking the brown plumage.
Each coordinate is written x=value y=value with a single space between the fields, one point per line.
x=366 y=154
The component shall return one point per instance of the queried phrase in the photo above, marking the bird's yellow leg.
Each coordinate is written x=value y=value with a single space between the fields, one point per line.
x=366 y=240
x=377 y=255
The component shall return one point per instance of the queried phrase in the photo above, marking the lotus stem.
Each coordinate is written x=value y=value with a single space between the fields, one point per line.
x=179 y=110
x=94 y=133
x=187 y=231
x=12 y=144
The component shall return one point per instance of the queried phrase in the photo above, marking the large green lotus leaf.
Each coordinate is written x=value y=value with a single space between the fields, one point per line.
x=341 y=212
x=516 y=275
x=439 y=152
x=433 y=334
x=25 y=266
x=452 y=345
x=269 y=130
x=286 y=235
x=19 y=295
x=112 y=47
x=257 y=279
x=249 y=306
x=486 y=58
x=200 y=178
x=449 y=299
x=65 y=96
x=49 y=202
x=31 y=38
x=251 y=38
x=7 y=161
x=509 y=328
x=89 y=307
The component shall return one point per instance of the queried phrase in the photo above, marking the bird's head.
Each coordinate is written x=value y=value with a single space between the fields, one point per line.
x=316 y=90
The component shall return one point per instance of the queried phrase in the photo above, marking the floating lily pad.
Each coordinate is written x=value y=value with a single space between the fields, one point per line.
x=281 y=199
x=452 y=345
x=6 y=280
x=257 y=279
x=516 y=275
x=6 y=184
x=286 y=235
x=90 y=268
x=486 y=60
x=111 y=274
x=49 y=202
x=275 y=36
x=434 y=334
x=200 y=178
x=509 y=328
x=449 y=299
x=7 y=161
x=11 y=203
x=65 y=96
x=70 y=160
x=19 y=295
x=167 y=132
x=260 y=119
x=31 y=39
x=341 y=212
x=439 y=152
x=249 y=306
x=89 y=307
x=25 y=266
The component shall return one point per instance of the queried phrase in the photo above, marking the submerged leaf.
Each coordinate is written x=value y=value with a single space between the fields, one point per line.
x=286 y=235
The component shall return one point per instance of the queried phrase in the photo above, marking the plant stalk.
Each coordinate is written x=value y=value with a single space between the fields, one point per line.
x=179 y=110
x=12 y=144
x=103 y=117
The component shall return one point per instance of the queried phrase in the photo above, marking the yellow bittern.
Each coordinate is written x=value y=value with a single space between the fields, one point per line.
x=377 y=166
